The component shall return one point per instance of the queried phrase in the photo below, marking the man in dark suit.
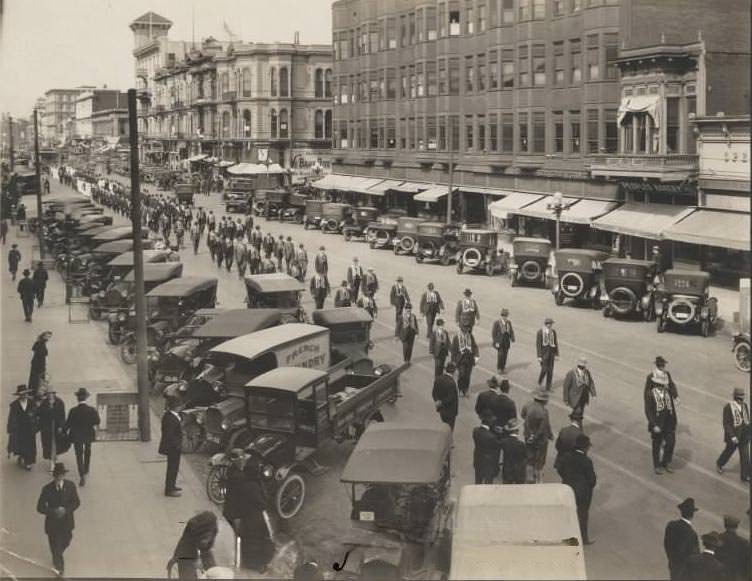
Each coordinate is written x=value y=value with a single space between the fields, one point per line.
x=680 y=539
x=342 y=298
x=57 y=502
x=438 y=346
x=446 y=396
x=547 y=349
x=467 y=313
x=319 y=288
x=321 y=262
x=28 y=292
x=577 y=471
x=660 y=411
x=51 y=416
x=736 y=433
x=354 y=277
x=486 y=451
x=495 y=398
x=705 y=566
x=734 y=552
x=431 y=306
x=502 y=337
x=170 y=445
x=506 y=408
x=579 y=386
x=567 y=437
x=398 y=298
x=407 y=326
x=465 y=355
x=82 y=420
x=370 y=283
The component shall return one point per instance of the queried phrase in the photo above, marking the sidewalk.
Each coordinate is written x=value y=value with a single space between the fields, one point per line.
x=125 y=527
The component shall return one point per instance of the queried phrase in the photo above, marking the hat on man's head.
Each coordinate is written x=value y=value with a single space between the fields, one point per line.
x=59 y=469
x=439 y=321
x=22 y=389
x=687 y=505
x=711 y=540
x=739 y=392
x=582 y=360
x=82 y=393
x=730 y=522
x=493 y=382
x=541 y=395
x=504 y=312
x=450 y=368
x=236 y=454
x=467 y=292
x=400 y=279
x=26 y=272
x=322 y=248
x=548 y=321
x=660 y=360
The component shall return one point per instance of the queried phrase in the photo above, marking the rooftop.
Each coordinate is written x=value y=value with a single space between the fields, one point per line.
x=151 y=18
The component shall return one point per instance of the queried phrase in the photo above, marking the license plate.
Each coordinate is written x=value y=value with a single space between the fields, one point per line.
x=572 y=288
x=367 y=515
x=212 y=438
x=681 y=315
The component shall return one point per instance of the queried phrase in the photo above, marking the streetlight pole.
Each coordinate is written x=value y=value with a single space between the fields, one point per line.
x=38 y=167
x=557 y=206
x=142 y=363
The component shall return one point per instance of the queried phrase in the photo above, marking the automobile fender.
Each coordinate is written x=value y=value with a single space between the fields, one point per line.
x=218 y=459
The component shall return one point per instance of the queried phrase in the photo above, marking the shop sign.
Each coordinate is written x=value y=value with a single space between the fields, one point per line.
x=640 y=187
x=310 y=164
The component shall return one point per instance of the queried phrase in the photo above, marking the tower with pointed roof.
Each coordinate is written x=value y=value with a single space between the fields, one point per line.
x=148 y=27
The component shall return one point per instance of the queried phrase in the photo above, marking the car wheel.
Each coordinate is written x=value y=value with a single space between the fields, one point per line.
x=742 y=353
x=216 y=484
x=290 y=496
x=705 y=327
x=559 y=298
x=193 y=438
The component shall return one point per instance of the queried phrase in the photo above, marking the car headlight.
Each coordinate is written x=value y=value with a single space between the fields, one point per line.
x=267 y=471
x=225 y=425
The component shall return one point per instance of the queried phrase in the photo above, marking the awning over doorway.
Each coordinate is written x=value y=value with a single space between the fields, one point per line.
x=513 y=201
x=360 y=185
x=712 y=228
x=649 y=104
x=333 y=182
x=411 y=187
x=643 y=220
x=585 y=211
x=381 y=188
x=433 y=193
x=539 y=208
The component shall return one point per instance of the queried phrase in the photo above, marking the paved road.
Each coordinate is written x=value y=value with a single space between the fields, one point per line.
x=631 y=504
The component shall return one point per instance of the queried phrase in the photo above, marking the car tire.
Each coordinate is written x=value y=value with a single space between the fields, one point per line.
x=290 y=496
x=743 y=356
x=216 y=484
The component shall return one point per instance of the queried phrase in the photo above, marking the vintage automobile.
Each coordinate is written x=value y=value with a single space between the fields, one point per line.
x=578 y=276
x=270 y=203
x=380 y=234
x=357 y=223
x=294 y=210
x=184 y=193
x=291 y=412
x=629 y=287
x=477 y=250
x=123 y=263
x=530 y=261
x=682 y=299
x=237 y=202
x=334 y=215
x=116 y=233
x=117 y=298
x=349 y=331
x=314 y=210
x=169 y=306
x=275 y=291
x=398 y=478
x=240 y=187
x=516 y=531
x=407 y=234
x=742 y=345
x=437 y=241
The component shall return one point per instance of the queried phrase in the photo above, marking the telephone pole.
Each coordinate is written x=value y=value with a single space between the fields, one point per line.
x=10 y=136
x=38 y=167
x=142 y=363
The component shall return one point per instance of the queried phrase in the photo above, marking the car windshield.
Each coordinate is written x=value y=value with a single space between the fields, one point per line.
x=531 y=249
x=574 y=262
x=271 y=412
x=628 y=271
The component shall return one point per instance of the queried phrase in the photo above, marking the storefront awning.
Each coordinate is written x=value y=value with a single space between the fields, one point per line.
x=433 y=194
x=539 y=208
x=332 y=182
x=225 y=163
x=198 y=157
x=250 y=169
x=649 y=104
x=381 y=188
x=360 y=185
x=643 y=220
x=585 y=211
x=484 y=191
x=513 y=201
x=712 y=228
x=411 y=187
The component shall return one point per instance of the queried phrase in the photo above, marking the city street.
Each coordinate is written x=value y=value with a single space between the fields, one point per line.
x=631 y=504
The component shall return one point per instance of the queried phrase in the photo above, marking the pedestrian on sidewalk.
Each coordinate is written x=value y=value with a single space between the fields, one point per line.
x=14 y=257
x=289 y=251
x=734 y=552
x=706 y=565
x=319 y=289
x=279 y=252
x=398 y=298
x=431 y=306
x=27 y=292
x=370 y=284
x=680 y=539
x=21 y=215
x=170 y=445
x=321 y=262
x=577 y=472
x=736 y=433
x=196 y=542
x=51 y=417
x=467 y=312
x=22 y=426
x=80 y=427
x=354 y=276
x=342 y=296
x=3 y=229
x=301 y=258
x=547 y=350
x=438 y=346
x=487 y=450
x=502 y=337
x=57 y=502
x=241 y=255
x=537 y=431
x=567 y=437
x=195 y=236
x=465 y=354
x=578 y=386
x=660 y=410
x=38 y=362
x=40 y=278
x=513 y=453
x=446 y=396
x=408 y=329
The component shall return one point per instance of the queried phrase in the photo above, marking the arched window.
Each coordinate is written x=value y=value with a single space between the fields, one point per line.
x=328 y=124
x=328 y=84
x=226 y=124
x=319 y=88
x=284 y=82
x=246 y=123
x=246 y=82
x=283 y=124
x=273 y=76
x=274 y=123
x=319 y=125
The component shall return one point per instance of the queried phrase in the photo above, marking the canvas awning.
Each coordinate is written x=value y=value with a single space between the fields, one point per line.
x=381 y=188
x=539 y=208
x=650 y=104
x=198 y=157
x=712 y=228
x=513 y=201
x=255 y=169
x=360 y=185
x=643 y=220
x=484 y=191
x=585 y=211
x=411 y=187
x=433 y=193
x=332 y=182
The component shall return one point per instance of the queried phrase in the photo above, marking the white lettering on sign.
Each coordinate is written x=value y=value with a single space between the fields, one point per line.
x=312 y=353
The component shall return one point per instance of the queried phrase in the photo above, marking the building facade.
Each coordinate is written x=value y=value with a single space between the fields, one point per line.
x=90 y=103
x=59 y=114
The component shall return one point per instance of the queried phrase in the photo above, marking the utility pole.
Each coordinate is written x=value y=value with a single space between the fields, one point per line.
x=451 y=173
x=142 y=363
x=38 y=166
x=10 y=134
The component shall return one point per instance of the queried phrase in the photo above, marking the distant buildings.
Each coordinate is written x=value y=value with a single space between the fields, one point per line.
x=100 y=113
x=59 y=114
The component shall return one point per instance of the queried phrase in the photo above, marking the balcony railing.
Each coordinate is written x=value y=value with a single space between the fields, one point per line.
x=672 y=166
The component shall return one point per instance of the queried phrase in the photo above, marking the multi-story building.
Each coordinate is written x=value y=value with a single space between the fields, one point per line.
x=90 y=103
x=23 y=135
x=40 y=105
x=532 y=97
x=59 y=111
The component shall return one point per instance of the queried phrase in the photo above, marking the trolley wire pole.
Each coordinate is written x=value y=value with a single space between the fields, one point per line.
x=142 y=362
x=38 y=166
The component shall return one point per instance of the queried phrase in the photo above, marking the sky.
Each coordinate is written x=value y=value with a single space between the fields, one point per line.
x=47 y=44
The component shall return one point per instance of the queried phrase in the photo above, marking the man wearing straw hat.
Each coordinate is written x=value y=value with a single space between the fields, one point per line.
x=57 y=502
x=660 y=410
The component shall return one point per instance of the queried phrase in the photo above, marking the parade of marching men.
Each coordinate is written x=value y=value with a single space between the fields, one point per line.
x=441 y=289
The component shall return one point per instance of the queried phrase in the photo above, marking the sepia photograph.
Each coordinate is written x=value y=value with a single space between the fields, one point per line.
x=375 y=290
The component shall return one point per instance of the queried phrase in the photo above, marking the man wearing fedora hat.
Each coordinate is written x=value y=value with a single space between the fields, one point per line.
x=502 y=337
x=14 y=257
x=661 y=375
x=321 y=262
x=537 y=432
x=705 y=565
x=547 y=350
x=513 y=454
x=438 y=346
x=22 y=428
x=578 y=386
x=465 y=355
x=28 y=292
x=446 y=396
x=736 y=433
x=567 y=436
x=57 y=502
x=431 y=305
x=680 y=539
x=576 y=470
x=486 y=451
x=734 y=552
x=407 y=326
x=489 y=399
x=660 y=411
x=398 y=298
x=467 y=312
x=81 y=424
